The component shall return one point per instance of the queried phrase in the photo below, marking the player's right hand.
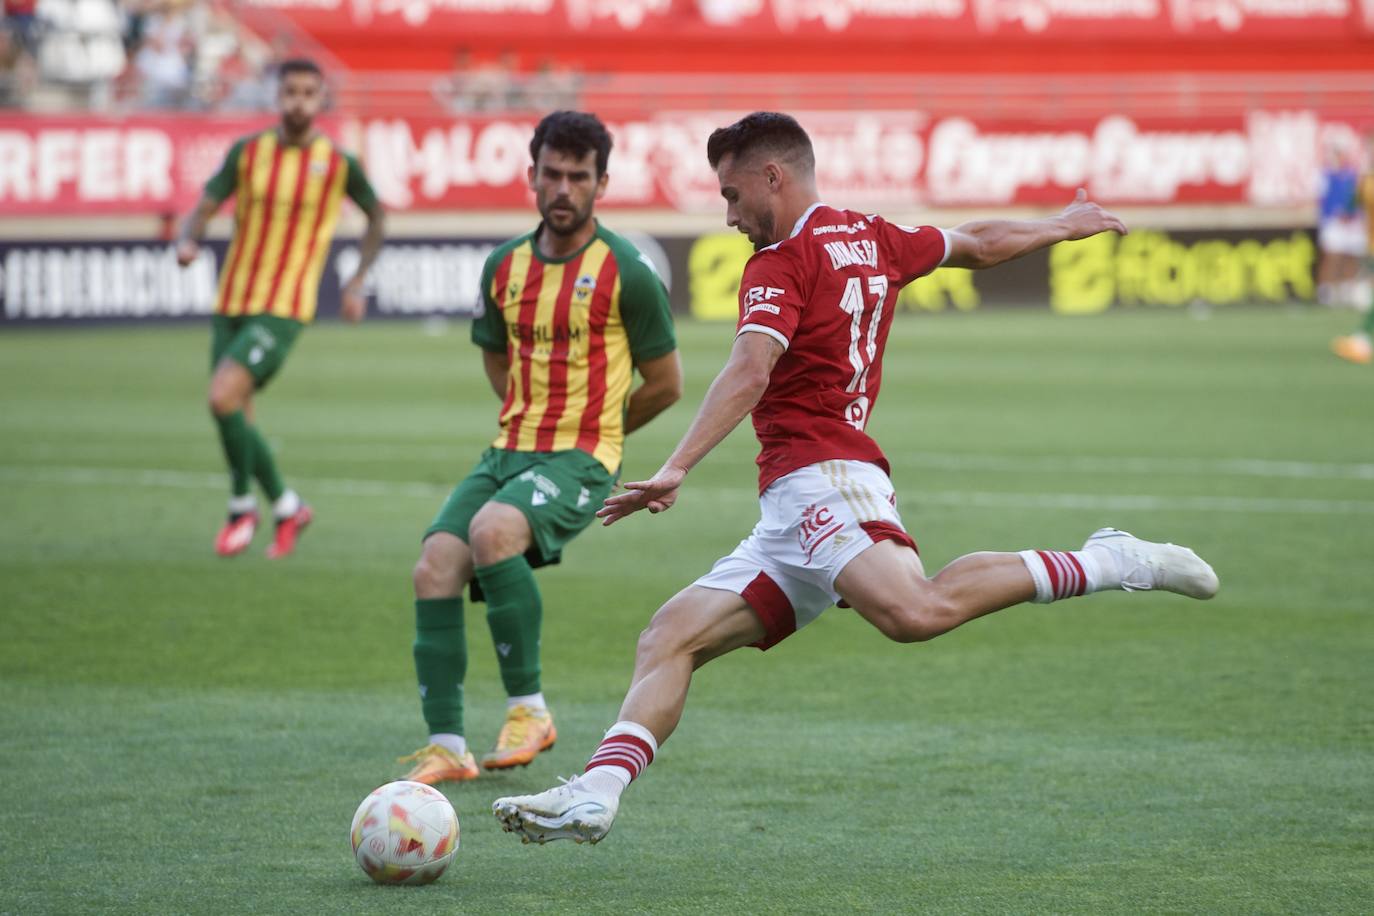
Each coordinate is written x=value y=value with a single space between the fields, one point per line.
x=187 y=250
x=1086 y=219
x=657 y=494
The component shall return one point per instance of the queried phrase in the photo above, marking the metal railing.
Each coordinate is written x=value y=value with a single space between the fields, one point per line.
x=1013 y=97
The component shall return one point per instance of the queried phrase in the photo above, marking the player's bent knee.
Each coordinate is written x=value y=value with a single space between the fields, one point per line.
x=223 y=401
x=498 y=532
x=439 y=573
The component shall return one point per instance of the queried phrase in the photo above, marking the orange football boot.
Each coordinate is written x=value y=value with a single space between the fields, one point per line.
x=1354 y=348
x=436 y=763
x=525 y=735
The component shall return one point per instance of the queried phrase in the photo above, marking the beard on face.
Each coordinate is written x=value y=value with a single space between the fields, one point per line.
x=764 y=236
x=575 y=218
x=295 y=121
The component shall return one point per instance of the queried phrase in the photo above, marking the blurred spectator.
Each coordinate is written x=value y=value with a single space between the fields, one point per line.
x=17 y=70
x=1340 y=228
x=21 y=20
x=474 y=87
x=163 y=62
x=552 y=88
x=498 y=86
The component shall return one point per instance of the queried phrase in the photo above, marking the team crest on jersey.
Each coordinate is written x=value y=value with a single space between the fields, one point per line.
x=513 y=293
x=584 y=287
x=318 y=168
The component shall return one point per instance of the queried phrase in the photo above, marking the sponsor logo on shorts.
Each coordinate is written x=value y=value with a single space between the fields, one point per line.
x=818 y=524
x=583 y=498
x=542 y=484
x=539 y=499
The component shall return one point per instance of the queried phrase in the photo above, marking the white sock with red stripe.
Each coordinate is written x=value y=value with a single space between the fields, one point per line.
x=1069 y=573
x=625 y=752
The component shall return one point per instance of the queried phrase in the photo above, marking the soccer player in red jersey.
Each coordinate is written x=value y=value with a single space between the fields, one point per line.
x=815 y=311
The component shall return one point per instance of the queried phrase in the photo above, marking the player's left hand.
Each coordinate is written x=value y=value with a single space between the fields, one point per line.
x=1085 y=218
x=354 y=305
x=657 y=494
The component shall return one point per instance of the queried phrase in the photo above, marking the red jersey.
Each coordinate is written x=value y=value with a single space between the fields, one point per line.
x=827 y=294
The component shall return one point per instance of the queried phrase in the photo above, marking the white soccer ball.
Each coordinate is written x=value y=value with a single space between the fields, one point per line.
x=405 y=833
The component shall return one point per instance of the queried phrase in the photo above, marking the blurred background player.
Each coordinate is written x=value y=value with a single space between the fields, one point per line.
x=290 y=181
x=807 y=362
x=1340 y=228
x=1359 y=346
x=566 y=314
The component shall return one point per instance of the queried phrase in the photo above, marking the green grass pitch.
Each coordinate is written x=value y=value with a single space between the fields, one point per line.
x=183 y=734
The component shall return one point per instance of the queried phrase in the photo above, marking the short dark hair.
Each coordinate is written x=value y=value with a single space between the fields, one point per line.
x=299 y=65
x=574 y=132
x=769 y=132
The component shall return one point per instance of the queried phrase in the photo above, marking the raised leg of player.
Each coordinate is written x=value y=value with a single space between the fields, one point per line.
x=695 y=626
x=441 y=658
x=500 y=535
x=887 y=585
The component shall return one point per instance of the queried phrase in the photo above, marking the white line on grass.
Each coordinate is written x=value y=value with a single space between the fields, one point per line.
x=354 y=453
x=968 y=499
x=1097 y=464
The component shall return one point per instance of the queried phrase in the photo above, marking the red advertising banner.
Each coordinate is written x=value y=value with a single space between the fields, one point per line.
x=890 y=20
x=87 y=164
x=878 y=159
x=885 y=159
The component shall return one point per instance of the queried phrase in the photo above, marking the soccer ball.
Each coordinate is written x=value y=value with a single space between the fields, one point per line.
x=405 y=833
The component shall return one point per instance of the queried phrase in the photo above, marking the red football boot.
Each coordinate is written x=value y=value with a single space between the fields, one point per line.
x=237 y=534
x=288 y=529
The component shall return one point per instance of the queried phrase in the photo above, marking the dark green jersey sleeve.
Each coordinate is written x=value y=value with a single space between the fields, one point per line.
x=226 y=180
x=644 y=306
x=358 y=188
x=488 y=324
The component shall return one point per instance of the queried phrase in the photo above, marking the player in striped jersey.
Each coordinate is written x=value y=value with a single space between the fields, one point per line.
x=290 y=182
x=565 y=316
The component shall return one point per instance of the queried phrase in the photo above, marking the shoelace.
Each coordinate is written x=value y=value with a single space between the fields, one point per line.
x=422 y=752
x=569 y=785
x=514 y=733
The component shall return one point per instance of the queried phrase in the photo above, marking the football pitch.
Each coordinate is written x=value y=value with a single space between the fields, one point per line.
x=184 y=734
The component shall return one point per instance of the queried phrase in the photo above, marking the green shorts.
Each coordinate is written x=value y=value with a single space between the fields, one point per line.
x=259 y=343
x=558 y=492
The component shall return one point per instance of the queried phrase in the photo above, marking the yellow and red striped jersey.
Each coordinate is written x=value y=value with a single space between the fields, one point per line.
x=574 y=329
x=288 y=204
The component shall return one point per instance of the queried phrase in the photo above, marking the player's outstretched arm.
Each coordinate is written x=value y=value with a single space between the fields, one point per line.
x=354 y=302
x=987 y=243
x=731 y=396
x=193 y=227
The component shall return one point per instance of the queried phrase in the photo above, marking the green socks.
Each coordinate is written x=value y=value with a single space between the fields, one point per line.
x=265 y=467
x=249 y=456
x=237 y=438
x=1368 y=325
x=514 y=613
x=441 y=662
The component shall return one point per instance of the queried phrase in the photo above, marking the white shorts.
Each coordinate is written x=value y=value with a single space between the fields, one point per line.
x=1343 y=236
x=814 y=521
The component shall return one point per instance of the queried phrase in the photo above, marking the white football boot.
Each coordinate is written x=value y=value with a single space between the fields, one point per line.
x=566 y=812
x=1146 y=566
